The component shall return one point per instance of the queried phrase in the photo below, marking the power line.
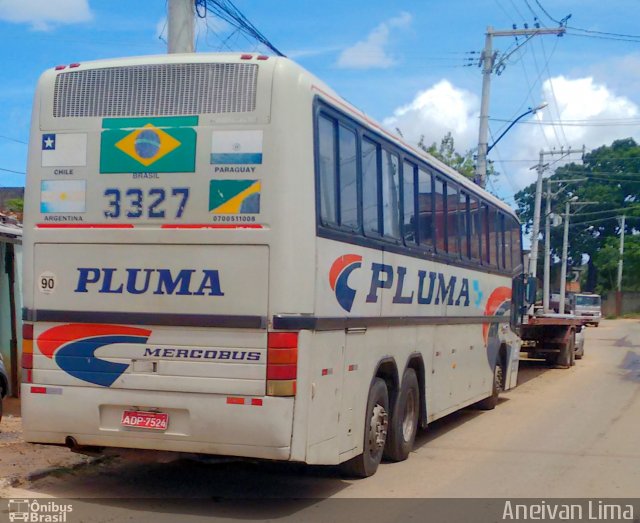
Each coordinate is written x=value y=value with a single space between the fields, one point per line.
x=619 y=210
x=609 y=122
x=227 y=11
x=602 y=34
x=13 y=139
x=11 y=171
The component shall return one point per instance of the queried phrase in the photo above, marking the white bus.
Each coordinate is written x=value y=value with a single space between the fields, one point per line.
x=224 y=257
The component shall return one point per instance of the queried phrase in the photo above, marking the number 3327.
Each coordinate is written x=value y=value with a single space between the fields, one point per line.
x=136 y=203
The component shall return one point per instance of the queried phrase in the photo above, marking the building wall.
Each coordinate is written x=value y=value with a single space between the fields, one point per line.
x=5 y=314
x=630 y=303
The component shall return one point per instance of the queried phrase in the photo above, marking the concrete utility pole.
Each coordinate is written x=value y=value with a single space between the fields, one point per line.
x=565 y=248
x=535 y=232
x=180 y=22
x=619 y=287
x=547 y=237
x=489 y=65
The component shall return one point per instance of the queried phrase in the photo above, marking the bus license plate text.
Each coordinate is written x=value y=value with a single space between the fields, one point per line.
x=145 y=420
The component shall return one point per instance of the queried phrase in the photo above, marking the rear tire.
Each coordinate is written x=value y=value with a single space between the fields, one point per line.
x=404 y=419
x=376 y=424
x=566 y=355
x=498 y=380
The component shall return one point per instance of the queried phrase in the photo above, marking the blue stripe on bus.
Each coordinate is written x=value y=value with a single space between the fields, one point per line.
x=236 y=158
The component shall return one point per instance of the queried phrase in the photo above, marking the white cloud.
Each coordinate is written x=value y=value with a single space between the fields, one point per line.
x=43 y=15
x=371 y=53
x=593 y=113
x=436 y=111
x=593 y=116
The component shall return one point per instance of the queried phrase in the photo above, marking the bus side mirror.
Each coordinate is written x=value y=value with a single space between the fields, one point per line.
x=531 y=290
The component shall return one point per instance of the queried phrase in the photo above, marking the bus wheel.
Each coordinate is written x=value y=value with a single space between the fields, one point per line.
x=498 y=379
x=376 y=424
x=404 y=419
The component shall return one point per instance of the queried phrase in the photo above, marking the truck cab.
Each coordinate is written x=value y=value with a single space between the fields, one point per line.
x=587 y=306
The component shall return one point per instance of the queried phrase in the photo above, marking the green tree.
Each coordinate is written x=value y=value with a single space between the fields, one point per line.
x=609 y=176
x=446 y=153
x=15 y=205
x=606 y=259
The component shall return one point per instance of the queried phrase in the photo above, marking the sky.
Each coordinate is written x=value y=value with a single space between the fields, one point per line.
x=410 y=64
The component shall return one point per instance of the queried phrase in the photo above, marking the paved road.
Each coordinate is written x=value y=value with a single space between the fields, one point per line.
x=560 y=433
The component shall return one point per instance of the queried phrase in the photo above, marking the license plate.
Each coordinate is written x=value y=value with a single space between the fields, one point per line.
x=145 y=420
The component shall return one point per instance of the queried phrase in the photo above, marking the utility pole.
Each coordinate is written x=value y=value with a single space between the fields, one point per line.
x=489 y=63
x=180 y=23
x=547 y=251
x=565 y=248
x=547 y=237
x=535 y=232
x=619 y=291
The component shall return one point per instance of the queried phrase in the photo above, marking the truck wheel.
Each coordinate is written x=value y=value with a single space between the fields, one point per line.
x=572 y=349
x=498 y=379
x=376 y=424
x=404 y=419
x=566 y=353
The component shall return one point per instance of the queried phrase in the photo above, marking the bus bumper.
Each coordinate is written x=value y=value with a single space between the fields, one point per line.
x=198 y=423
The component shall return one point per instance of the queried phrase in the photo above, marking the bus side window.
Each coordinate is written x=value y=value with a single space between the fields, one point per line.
x=348 y=178
x=484 y=232
x=452 y=219
x=441 y=215
x=425 y=209
x=516 y=248
x=408 y=203
x=327 y=168
x=463 y=224
x=493 y=238
x=506 y=232
x=390 y=195
x=475 y=229
x=502 y=258
x=370 y=187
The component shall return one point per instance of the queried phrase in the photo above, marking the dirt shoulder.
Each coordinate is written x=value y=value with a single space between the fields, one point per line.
x=20 y=461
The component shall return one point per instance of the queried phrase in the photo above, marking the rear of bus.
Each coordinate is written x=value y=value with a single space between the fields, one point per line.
x=152 y=204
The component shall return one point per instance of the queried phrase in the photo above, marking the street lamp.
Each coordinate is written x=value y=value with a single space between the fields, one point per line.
x=483 y=150
x=530 y=111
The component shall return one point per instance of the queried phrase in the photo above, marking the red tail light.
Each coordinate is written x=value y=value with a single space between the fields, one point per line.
x=27 y=352
x=282 y=363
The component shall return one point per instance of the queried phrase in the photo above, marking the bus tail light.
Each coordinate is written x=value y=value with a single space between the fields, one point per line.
x=282 y=363
x=27 y=353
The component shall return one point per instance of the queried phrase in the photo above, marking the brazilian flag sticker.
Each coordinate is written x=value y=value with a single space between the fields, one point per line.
x=234 y=196
x=160 y=145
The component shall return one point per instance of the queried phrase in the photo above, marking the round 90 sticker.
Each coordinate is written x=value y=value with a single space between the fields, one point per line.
x=46 y=282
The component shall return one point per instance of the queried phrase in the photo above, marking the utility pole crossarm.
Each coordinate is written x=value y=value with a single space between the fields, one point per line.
x=528 y=32
x=488 y=62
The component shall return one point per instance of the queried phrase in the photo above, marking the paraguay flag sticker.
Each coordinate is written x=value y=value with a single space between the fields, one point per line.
x=236 y=147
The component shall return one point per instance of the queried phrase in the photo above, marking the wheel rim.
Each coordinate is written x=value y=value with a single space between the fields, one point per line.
x=408 y=425
x=378 y=429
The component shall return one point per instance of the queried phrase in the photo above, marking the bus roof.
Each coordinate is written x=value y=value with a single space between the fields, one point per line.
x=317 y=85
